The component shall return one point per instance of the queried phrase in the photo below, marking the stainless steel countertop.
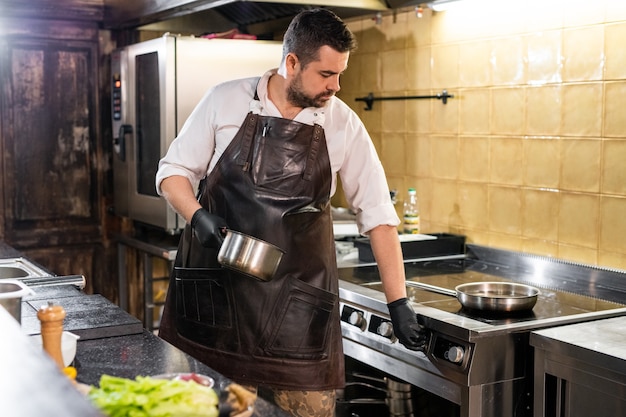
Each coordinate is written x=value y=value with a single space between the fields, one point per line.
x=604 y=338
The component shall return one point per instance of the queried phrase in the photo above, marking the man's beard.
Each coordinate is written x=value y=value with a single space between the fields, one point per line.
x=300 y=99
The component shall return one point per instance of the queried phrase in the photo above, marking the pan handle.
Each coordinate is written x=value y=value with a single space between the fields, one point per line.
x=431 y=288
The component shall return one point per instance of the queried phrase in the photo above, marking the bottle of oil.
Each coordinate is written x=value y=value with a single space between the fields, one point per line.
x=411 y=213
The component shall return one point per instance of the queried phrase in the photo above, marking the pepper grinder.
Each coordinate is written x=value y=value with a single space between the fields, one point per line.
x=51 y=317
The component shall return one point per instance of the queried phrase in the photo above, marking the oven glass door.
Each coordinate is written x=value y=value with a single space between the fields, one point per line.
x=148 y=121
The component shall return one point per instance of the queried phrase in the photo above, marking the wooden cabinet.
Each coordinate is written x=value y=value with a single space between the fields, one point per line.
x=53 y=169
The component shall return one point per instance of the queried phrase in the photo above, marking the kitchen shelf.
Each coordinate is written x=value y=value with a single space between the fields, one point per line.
x=150 y=248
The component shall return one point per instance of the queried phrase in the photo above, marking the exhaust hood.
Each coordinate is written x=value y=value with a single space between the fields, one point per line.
x=213 y=16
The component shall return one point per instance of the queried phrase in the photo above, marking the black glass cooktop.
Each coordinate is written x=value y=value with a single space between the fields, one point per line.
x=551 y=302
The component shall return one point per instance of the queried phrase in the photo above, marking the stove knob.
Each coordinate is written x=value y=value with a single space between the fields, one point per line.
x=357 y=319
x=385 y=329
x=455 y=354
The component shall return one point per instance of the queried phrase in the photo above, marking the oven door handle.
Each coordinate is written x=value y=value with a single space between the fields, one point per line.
x=119 y=143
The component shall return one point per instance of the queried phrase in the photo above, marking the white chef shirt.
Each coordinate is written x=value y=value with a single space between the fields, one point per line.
x=217 y=118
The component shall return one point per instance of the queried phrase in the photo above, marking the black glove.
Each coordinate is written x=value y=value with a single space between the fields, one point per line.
x=405 y=326
x=209 y=228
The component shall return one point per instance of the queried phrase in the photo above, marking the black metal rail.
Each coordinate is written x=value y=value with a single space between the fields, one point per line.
x=370 y=99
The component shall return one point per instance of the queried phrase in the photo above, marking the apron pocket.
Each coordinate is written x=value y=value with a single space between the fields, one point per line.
x=299 y=326
x=204 y=304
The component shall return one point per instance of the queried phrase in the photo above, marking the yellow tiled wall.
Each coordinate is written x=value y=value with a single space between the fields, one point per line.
x=530 y=154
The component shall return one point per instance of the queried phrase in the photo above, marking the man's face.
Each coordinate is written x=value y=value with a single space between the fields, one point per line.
x=314 y=85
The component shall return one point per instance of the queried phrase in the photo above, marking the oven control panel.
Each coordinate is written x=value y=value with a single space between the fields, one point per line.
x=381 y=327
x=354 y=317
x=370 y=324
x=450 y=350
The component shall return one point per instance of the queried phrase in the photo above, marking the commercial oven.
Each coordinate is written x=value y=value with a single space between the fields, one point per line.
x=155 y=85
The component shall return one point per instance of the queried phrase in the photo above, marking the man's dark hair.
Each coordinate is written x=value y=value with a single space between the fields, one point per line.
x=312 y=29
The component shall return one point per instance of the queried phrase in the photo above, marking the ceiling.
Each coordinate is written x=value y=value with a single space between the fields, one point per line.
x=199 y=17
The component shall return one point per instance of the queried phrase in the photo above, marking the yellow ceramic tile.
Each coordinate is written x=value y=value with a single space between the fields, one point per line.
x=580 y=164
x=423 y=67
x=613 y=224
x=419 y=29
x=473 y=206
x=508 y=111
x=615 y=10
x=474 y=158
x=445 y=66
x=371 y=75
x=474 y=64
x=418 y=69
x=425 y=195
x=377 y=141
x=614 y=51
x=441 y=24
x=477 y=237
x=581 y=12
x=544 y=110
x=614 y=167
x=444 y=152
x=544 y=57
x=393 y=153
x=393 y=115
x=505 y=241
x=540 y=209
x=350 y=79
x=468 y=21
x=413 y=162
x=614 y=115
x=444 y=197
x=411 y=64
x=612 y=260
x=394 y=71
x=541 y=163
x=497 y=18
x=506 y=158
x=578 y=219
x=445 y=117
x=505 y=214
x=582 y=109
x=371 y=38
x=394 y=27
x=418 y=114
x=419 y=146
x=371 y=118
x=583 y=49
x=540 y=247
x=473 y=111
x=577 y=254
x=508 y=63
x=545 y=16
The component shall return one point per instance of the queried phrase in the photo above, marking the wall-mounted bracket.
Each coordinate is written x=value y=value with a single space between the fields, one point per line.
x=370 y=99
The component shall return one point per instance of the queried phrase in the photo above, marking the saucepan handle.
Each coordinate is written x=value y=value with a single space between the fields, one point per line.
x=431 y=288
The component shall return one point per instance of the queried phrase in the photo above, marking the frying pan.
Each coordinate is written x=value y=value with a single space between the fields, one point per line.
x=488 y=296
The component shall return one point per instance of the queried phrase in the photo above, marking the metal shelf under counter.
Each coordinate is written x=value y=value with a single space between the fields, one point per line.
x=151 y=247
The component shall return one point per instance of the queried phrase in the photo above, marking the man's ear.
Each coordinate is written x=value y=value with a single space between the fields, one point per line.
x=291 y=63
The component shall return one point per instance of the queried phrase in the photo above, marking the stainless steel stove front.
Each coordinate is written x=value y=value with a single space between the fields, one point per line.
x=483 y=366
x=447 y=368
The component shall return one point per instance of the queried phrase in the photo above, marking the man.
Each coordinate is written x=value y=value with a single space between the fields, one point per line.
x=270 y=149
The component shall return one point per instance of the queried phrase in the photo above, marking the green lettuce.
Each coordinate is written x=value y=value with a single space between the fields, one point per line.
x=150 y=397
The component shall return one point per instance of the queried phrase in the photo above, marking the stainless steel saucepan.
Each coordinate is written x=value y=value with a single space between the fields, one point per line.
x=488 y=296
x=249 y=255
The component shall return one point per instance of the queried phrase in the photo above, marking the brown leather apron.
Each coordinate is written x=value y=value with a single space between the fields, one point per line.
x=272 y=182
